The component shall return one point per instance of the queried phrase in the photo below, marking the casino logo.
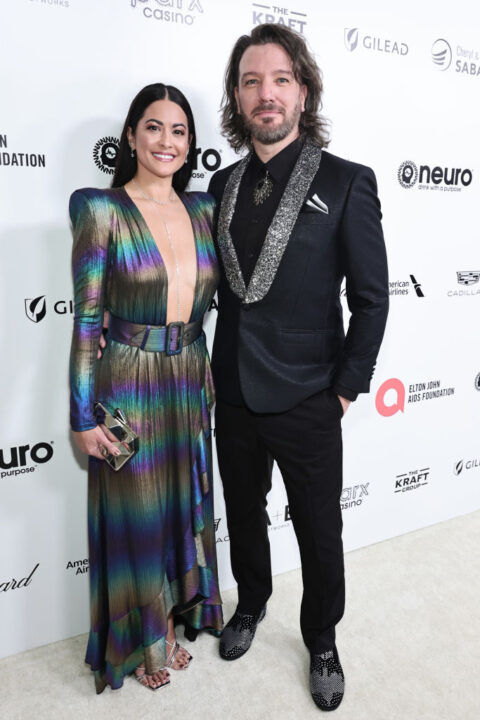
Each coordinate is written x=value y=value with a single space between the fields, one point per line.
x=407 y=174
x=105 y=154
x=36 y=309
x=354 y=496
x=441 y=54
x=172 y=11
x=273 y=14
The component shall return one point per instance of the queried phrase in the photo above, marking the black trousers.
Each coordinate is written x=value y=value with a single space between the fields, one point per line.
x=306 y=443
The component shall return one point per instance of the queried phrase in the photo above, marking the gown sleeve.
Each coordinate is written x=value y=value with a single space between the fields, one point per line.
x=91 y=233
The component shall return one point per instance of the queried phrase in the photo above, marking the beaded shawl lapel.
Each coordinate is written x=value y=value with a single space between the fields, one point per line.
x=279 y=231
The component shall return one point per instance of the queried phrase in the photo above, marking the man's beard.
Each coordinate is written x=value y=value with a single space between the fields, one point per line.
x=267 y=133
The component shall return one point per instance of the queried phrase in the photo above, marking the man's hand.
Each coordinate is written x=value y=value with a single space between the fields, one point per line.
x=345 y=403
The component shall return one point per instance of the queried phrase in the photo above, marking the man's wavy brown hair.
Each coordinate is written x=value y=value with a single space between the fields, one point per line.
x=306 y=72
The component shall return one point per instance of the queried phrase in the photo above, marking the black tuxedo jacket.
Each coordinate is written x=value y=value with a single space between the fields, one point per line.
x=281 y=339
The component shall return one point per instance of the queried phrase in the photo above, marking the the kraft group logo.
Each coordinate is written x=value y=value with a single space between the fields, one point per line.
x=413 y=480
x=293 y=19
x=441 y=54
x=36 y=308
x=444 y=179
x=181 y=12
x=105 y=154
x=353 y=39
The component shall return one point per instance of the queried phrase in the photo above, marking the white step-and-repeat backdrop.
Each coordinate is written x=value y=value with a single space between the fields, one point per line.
x=402 y=84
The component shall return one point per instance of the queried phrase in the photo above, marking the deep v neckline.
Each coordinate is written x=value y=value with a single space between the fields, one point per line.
x=148 y=234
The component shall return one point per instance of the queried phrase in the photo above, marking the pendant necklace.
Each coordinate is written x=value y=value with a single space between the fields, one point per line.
x=169 y=237
x=262 y=189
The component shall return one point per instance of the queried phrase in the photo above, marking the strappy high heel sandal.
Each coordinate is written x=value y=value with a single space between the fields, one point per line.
x=172 y=655
x=143 y=675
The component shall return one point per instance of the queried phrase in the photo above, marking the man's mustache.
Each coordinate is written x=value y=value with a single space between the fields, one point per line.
x=267 y=107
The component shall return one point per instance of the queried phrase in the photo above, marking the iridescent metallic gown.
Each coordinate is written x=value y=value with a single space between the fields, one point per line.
x=150 y=525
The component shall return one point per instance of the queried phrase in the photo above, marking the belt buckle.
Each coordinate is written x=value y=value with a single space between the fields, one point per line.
x=178 y=340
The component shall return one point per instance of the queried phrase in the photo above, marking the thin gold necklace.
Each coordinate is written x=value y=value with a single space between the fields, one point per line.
x=167 y=230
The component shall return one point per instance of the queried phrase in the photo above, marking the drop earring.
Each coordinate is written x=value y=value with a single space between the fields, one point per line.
x=186 y=158
x=132 y=152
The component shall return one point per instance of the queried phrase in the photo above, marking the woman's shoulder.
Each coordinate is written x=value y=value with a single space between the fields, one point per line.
x=92 y=200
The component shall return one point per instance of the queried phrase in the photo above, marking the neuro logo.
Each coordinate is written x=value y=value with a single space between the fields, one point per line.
x=441 y=54
x=36 y=309
x=105 y=154
x=396 y=390
x=350 y=37
x=468 y=277
x=407 y=174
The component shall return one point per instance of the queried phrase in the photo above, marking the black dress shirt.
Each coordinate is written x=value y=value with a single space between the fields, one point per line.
x=250 y=222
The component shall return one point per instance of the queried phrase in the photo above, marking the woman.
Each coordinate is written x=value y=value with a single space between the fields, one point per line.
x=143 y=251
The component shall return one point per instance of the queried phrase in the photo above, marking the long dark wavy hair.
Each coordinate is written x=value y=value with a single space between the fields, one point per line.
x=126 y=165
x=306 y=71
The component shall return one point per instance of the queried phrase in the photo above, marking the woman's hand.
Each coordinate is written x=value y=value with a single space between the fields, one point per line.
x=96 y=442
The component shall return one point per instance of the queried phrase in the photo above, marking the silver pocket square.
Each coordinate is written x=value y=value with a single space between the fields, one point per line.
x=317 y=204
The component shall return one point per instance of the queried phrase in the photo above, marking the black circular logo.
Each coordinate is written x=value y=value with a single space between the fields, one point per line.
x=407 y=174
x=105 y=154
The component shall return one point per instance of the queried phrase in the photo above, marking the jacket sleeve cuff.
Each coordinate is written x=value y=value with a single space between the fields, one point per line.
x=345 y=392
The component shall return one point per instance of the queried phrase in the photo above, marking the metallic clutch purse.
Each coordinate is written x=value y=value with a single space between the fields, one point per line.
x=128 y=443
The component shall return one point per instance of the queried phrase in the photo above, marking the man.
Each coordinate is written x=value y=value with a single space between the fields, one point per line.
x=292 y=222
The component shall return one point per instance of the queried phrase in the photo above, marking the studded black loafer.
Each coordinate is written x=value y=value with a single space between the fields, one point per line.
x=327 y=681
x=238 y=634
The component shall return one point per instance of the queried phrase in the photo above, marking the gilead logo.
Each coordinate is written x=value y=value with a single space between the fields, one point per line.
x=396 y=392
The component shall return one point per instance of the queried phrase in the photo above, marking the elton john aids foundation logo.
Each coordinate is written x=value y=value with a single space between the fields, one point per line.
x=441 y=54
x=390 y=397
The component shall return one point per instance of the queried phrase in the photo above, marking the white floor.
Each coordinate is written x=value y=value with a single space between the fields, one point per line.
x=409 y=644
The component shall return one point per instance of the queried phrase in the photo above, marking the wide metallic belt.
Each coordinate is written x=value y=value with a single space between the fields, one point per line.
x=170 y=339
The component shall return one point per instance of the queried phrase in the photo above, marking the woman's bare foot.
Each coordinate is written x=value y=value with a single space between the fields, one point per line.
x=155 y=680
x=177 y=657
